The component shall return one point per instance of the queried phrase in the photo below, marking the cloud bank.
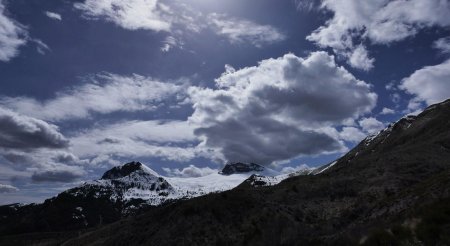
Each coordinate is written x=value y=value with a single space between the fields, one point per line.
x=131 y=14
x=7 y=189
x=104 y=93
x=244 y=31
x=23 y=132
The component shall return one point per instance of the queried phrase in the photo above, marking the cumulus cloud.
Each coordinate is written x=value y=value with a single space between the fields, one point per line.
x=244 y=31
x=53 y=15
x=104 y=93
x=7 y=188
x=131 y=14
x=12 y=35
x=371 y=125
x=189 y=172
x=359 y=58
x=352 y=134
x=23 y=132
x=431 y=84
x=279 y=109
x=386 y=111
x=442 y=44
x=379 y=21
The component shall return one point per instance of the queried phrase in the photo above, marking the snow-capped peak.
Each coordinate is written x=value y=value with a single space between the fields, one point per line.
x=128 y=169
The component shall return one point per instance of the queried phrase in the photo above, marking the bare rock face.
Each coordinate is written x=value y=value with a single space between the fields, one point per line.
x=238 y=167
x=122 y=171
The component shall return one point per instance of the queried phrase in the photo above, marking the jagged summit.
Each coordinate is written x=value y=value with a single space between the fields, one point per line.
x=126 y=170
x=239 y=167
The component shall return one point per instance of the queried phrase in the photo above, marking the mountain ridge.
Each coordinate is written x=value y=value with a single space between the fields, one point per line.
x=391 y=189
x=388 y=190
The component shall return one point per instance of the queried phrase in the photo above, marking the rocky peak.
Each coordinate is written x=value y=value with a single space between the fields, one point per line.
x=239 y=167
x=126 y=170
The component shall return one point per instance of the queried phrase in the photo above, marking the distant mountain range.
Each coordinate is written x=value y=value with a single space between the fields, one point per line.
x=122 y=191
x=393 y=188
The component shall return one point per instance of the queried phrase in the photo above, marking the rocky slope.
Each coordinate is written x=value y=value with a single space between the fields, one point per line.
x=392 y=189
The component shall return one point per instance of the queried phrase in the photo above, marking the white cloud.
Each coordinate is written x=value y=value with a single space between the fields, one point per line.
x=12 y=35
x=171 y=42
x=359 y=58
x=305 y=5
x=244 y=31
x=169 y=140
x=190 y=172
x=386 y=111
x=287 y=170
x=279 y=109
x=178 y=19
x=53 y=15
x=431 y=84
x=105 y=93
x=371 y=125
x=41 y=47
x=7 y=188
x=378 y=21
x=352 y=134
x=131 y=14
x=443 y=44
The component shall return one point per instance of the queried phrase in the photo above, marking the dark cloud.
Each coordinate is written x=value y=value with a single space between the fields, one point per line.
x=65 y=158
x=280 y=109
x=263 y=141
x=7 y=188
x=22 y=132
x=15 y=158
x=62 y=176
x=109 y=141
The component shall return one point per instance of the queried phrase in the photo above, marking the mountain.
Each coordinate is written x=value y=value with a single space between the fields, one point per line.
x=121 y=191
x=391 y=189
x=258 y=180
x=233 y=168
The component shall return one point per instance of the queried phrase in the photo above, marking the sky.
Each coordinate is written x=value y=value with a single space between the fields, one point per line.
x=186 y=86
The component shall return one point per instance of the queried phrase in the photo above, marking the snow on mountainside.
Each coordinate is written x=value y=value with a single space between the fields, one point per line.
x=136 y=185
x=257 y=180
x=124 y=190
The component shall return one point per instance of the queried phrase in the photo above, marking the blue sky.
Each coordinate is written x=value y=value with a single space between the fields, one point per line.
x=89 y=84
